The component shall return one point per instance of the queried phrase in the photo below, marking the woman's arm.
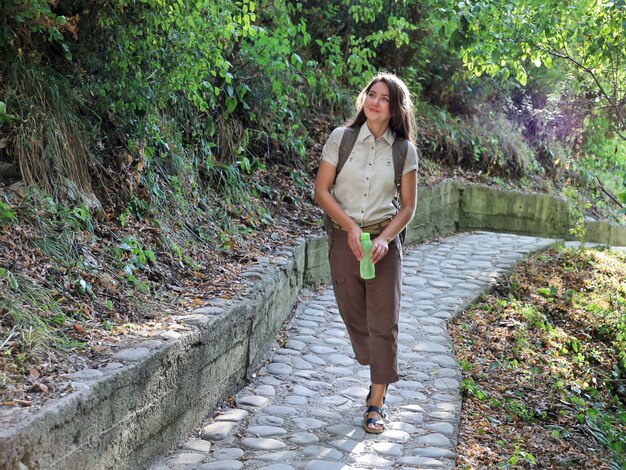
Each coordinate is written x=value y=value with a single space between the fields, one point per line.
x=323 y=183
x=408 y=201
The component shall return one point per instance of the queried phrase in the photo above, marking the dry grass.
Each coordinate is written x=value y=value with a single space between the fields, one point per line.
x=50 y=141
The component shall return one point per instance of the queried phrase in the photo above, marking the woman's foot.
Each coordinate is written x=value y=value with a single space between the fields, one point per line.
x=374 y=420
x=374 y=415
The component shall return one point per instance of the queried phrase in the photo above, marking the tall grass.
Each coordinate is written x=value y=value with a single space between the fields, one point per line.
x=50 y=139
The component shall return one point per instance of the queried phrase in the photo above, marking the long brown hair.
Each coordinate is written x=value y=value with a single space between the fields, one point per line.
x=402 y=121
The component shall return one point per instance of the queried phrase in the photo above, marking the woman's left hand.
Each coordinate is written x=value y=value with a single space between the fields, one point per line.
x=379 y=249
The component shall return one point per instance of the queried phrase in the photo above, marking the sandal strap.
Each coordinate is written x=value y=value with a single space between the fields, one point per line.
x=375 y=409
x=375 y=421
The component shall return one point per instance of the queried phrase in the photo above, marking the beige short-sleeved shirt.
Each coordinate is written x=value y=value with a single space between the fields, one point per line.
x=365 y=186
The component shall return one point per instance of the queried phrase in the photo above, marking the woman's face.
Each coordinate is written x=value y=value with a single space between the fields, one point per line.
x=376 y=105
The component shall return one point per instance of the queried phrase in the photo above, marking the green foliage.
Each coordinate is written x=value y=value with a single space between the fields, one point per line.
x=471 y=388
x=512 y=37
x=598 y=310
x=603 y=163
x=133 y=257
x=7 y=215
x=564 y=323
x=83 y=217
x=9 y=278
x=24 y=25
x=622 y=195
x=519 y=457
x=353 y=36
x=518 y=410
x=157 y=50
x=37 y=324
x=50 y=138
x=4 y=116
x=578 y=206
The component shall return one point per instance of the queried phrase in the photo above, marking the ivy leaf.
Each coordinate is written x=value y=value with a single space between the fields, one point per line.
x=231 y=104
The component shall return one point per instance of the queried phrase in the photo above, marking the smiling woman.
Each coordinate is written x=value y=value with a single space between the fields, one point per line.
x=376 y=106
x=361 y=200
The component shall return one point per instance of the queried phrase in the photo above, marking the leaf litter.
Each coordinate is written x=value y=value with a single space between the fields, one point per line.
x=542 y=359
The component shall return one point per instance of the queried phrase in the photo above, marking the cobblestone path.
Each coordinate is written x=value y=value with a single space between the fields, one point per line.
x=304 y=409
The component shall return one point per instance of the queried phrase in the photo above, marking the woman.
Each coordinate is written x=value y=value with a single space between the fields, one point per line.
x=362 y=201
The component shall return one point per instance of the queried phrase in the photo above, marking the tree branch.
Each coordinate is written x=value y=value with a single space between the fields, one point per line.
x=567 y=56
x=613 y=198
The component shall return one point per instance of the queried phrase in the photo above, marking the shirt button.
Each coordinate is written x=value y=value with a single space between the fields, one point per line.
x=371 y=148
x=370 y=164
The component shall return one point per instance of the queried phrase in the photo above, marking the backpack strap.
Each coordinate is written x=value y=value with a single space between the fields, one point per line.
x=399 y=151
x=348 y=139
x=345 y=147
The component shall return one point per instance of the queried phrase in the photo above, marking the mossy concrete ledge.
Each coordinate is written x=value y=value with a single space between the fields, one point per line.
x=488 y=208
x=484 y=207
x=137 y=408
x=599 y=231
x=436 y=214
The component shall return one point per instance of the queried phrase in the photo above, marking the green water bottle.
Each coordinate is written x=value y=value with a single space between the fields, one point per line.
x=367 y=268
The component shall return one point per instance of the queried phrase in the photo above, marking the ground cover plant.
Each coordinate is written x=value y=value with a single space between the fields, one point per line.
x=543 y=360
x=74 y=287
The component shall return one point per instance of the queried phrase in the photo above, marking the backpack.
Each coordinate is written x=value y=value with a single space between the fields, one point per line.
x=399 y=151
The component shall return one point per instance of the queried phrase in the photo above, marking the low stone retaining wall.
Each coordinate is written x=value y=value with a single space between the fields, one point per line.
x=136 y=409
x=437 y=213
x=127 y=414
x=487 y=208
x=513 y=211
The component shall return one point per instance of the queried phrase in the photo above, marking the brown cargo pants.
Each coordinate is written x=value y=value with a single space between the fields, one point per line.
x=370 y=309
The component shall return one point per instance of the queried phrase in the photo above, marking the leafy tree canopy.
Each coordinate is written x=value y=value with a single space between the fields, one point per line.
x=504 y=37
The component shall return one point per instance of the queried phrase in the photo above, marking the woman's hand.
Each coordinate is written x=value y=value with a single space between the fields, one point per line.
x=379 y=249
x=354 y=242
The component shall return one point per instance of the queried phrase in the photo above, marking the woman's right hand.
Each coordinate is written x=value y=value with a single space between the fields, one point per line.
x=354 y=242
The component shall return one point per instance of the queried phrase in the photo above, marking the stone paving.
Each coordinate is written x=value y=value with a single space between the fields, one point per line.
x=304 y=408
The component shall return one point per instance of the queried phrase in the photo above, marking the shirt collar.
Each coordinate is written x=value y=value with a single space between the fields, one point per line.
x=365 y=132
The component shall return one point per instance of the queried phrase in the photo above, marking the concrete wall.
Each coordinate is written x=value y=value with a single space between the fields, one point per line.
x=605 y=232
x=436 y=214
x=136 y=409
x=125 y=415
x=317 y=271
x=483 y=208
x=488 y=208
